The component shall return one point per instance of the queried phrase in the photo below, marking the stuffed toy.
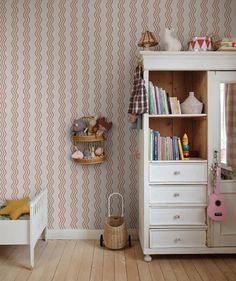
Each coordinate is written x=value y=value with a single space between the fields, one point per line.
x=77 y=154
x=79 y=127
x=103 y=126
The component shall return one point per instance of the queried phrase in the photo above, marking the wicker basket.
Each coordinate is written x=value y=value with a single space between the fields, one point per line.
x=115 y=229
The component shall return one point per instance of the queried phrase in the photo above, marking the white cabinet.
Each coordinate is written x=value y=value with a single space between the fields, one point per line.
x=173 y=193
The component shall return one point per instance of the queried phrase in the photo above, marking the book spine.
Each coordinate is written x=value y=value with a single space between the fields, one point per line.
x=180 y=149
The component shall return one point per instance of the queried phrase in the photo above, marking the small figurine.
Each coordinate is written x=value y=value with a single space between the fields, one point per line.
x=77 y=154
x=185 y=147
x=99 y=151
x=171 y=43
x=103 y=126
x=92 y=152
x=87 y=154
x=91 y=123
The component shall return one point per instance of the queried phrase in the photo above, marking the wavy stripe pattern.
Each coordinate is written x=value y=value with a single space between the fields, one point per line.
x=228 y=19
x=14 y=100
x=204 y=19
x=192 y=18
x=144 y=15
x=85 y=110
x=26 y=98
x=38 y=95
x=74 y=105
x=215 y=15
x=157 y=18
x=133 y=134
x=3 y=97
x=62 y=59
x=109 y=80
x=97 y=108
x=62 y=116
x=180 y=23
x=120 y=100
x=168 y=13
x=50 y=111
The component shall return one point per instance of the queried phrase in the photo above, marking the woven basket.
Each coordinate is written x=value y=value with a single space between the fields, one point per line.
x=115 y=229
x=115 y=233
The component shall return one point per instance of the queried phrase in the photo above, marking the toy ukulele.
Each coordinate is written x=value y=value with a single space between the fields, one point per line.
x=216 y=209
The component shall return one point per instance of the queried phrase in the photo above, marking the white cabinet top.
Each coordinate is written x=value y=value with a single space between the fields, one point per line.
x=187 y=60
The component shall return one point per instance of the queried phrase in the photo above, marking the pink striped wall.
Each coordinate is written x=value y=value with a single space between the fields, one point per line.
x=61 y=59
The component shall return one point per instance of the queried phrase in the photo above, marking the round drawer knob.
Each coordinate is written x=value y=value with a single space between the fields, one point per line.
x=176 y=173
x=176 y=194
x=176 y=217
x=176 y=240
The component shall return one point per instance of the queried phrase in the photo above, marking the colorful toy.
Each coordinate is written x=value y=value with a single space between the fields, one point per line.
x=185 y=147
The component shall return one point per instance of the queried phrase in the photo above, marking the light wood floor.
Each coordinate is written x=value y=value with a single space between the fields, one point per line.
x=84 y=260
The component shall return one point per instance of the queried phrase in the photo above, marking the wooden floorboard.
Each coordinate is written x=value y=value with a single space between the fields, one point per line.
x=85 y=260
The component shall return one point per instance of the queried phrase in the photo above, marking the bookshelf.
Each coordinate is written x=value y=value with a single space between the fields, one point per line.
x=173 y=193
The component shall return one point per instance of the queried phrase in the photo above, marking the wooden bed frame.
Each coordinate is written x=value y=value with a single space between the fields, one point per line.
x=27 y=232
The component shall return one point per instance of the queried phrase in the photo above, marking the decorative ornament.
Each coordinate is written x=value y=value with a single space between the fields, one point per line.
x=171 y=43
x=147 y=40
x=191 y=105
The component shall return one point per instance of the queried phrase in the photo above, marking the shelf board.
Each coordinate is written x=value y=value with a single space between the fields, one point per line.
x=92 y=138
x=96 y=160
x=177 y=115
x=191 y=160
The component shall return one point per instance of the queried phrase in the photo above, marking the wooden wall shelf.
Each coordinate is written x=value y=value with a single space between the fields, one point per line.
x=96 y=160
x=92 y=138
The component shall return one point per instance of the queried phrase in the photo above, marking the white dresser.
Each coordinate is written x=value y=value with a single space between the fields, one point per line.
x=173 y=193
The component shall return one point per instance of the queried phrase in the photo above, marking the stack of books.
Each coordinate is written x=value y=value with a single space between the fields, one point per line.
x=160 y=102
x=164 y=148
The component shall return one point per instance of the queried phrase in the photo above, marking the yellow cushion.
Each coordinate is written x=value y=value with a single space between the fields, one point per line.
x=16 y=208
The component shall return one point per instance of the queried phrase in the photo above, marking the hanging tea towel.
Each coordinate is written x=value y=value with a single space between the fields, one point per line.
x=138 y=100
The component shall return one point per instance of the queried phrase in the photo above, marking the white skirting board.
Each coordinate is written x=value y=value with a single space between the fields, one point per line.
x=82 y=233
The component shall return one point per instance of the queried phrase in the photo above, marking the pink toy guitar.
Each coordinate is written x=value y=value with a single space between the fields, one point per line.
x=216 y=209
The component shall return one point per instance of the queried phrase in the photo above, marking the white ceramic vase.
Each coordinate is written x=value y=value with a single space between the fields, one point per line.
x=191 y=105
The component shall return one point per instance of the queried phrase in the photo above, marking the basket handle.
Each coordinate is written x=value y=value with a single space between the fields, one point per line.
x=109 y=203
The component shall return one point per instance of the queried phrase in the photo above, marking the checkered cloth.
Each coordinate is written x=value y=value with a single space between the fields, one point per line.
x=230 y=112
x=138 y=100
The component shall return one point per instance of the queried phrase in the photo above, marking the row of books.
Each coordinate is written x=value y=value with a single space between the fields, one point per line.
x=160 y=102
x=164 y=148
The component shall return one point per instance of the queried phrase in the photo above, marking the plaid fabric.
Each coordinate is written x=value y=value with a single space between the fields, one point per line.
x=230 y=112
x=138 y=99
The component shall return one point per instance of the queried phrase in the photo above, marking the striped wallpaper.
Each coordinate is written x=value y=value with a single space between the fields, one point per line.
x=62 y=59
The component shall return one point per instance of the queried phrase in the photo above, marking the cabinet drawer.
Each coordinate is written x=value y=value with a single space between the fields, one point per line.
x=181 y=171
x=174 y=238
x=195 y=194
x=177 y=216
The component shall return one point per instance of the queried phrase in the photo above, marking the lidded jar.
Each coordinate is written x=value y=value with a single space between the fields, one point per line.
x=191 y=105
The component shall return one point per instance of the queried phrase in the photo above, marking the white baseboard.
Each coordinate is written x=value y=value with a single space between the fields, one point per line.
x=94 y=234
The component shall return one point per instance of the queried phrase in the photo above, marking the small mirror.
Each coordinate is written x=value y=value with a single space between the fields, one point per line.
x=228 y=130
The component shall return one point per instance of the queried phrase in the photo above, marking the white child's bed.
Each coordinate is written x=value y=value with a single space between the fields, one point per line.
x=28 y=230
